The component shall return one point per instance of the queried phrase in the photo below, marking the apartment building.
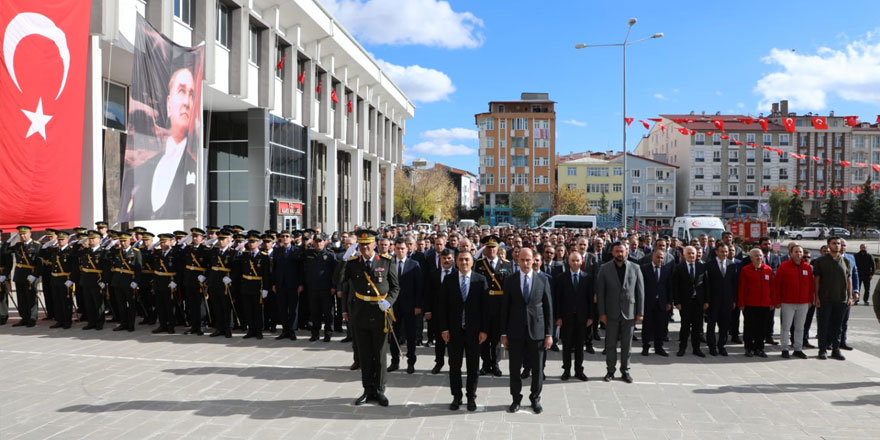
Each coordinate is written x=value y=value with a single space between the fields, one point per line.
x=595 y=177
x=652 y=189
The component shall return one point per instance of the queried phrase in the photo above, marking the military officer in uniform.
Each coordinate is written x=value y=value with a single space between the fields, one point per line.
x=146 y=296
x=27 y=268
x=194 y=267
x=270 y=303
x=373 y=284
x=63 y=270
x=127 y=264
x=166 y=282
x=254 y=266
x=47 y=248
x=94 y=277
x=495 y=269
x=221 y=260
x=318 y=266
x=78 y=242
x=5 y=268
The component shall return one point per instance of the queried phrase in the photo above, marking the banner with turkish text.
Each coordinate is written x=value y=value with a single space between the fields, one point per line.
x=42 y=91
x=159 y=179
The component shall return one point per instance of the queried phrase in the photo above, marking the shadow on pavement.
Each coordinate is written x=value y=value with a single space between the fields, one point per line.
x=870 y=399
x=785 y=388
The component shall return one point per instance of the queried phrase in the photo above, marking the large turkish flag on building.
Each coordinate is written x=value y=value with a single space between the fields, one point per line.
x=42 y=88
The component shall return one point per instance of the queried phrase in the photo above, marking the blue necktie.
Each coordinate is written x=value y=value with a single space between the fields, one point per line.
x=464 y=294
x=526 y=289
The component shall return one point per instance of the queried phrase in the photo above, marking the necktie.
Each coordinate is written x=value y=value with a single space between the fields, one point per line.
x=657 y=271
x=574 y=280
x=723 y=268
x=691 y=270
x=464 y=294
x=527 y=291
x=493 y=265
x=443 y=277
x=399 y=269
x=368 y=263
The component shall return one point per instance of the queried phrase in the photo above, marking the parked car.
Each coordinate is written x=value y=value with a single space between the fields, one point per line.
x=503 y=225
x=869 y=233
x=840 y=232
x=808 y=232
x=485 y=227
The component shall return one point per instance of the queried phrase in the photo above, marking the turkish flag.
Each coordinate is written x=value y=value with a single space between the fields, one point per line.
x=647 y=126
x=318 y=89
x=280 y=64
x=747 y=121
x=820 y=123
x=628 y=120
x=663 y=129
x=851 y=121
x=348 y=105
x=763 y=123
x=789 y=124
x=845 y=163
x=719 y=124
x=710 y=133
x=725 y=137
x=302 y=77
x=763 y=190
x=876 y=167
x=684 y=131
x=333 y=96
x=655 y=119
x=42 y=92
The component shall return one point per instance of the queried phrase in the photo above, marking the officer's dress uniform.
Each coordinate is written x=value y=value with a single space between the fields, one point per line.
x=45 y=254
x=166 y=270
x=127 y=265
x=255 y=269
x=222 y=263
x=27 y=263
x=5 y=269
x=194 y=262
x=318 y=267
x=93 y=271
x=63 y=270
x=491 y=349
x=146 y=295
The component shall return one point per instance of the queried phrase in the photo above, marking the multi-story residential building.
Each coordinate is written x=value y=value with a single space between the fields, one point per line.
x=594 y=176
x=652 y=189
x=716 y=176
x=301 y=125
x=517 y=155
x=466 y=184
x=866 y=149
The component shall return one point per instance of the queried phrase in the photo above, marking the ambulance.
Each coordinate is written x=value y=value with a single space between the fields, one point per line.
x=693 y=225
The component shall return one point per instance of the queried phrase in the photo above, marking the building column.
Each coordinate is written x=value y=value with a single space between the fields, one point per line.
x=266 y=84
x=331 y=189
x=341 y=114
x=205 y=29
x=356 y=189
x=308 y=118
x=159 y=13
x=389 y=193
x=92 y=178
x=238 y=53
x=258 y=168
x=289 y=83
x=374 y=193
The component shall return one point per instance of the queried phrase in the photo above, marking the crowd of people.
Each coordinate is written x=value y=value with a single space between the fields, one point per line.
x=469 y=294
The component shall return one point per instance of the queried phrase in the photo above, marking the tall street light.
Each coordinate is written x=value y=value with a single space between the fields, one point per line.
x=625 y=43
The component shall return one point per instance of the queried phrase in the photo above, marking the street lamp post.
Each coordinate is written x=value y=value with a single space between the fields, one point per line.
x=626 y=42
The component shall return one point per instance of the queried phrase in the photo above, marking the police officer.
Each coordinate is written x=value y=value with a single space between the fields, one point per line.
x=254 y=266
x=286 y=273
x=319 y=264
x=495 y=269
x=127 y=264
x=166 y=282
x=270 y=304
x=372 y=281
x=27 y=268
x=221 y=260
x=63 y=270
x=94 y=277
x=194 y=267
x=146 y=295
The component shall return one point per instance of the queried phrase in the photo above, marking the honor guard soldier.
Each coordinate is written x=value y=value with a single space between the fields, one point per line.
x=5 y=268
x=78 y=242
x=373 y=282
x=194 y=265
x=166 y=281
x=127 y=264
x=254 y=266
x=27 y=269
x=221 y=260
x=318 y=266
x=63 y=270
x=146 y=295
x=495 y=269
x=47 y=248
x=270 y=303
x=94 y=279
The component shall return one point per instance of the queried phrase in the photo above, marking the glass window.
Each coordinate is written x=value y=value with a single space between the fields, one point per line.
x=820 y=140
x=700 y=139
x=183 y=11
x=571 y=171
x=254 y=45
x=750 y=155
x=699 y=156
x=637 y=173
x=716 y=139
x=618 y=171
x=750 y=137
x=766 y=156
x=115 y=105
x=768 y=139
x=224 y=22
x=617 y=187
x=784 y=139
x=636 y=189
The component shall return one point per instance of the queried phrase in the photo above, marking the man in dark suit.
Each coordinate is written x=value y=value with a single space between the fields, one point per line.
x=408 y=305
x=461 y=319
x=573 y=295
x=620 y=293
x=286 y=270
x=526 y=326
x=635 y=252
x=658 y=302
x=722 y=276
x=689 y=294
x=432 y=303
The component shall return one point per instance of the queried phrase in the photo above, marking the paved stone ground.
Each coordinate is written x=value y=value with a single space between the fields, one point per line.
x=78 y=384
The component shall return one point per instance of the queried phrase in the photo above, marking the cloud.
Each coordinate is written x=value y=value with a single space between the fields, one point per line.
x=806 y=80
x=660 y=96
x=740 y=105
x=443 y=149
x=448 y=134
x=575 y=122
x=420 y=84
x=410 y=22
x=674 y=90
x=719 y=93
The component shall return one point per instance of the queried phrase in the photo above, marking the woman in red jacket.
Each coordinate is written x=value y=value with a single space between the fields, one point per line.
x=793 y=290
x=755 y=302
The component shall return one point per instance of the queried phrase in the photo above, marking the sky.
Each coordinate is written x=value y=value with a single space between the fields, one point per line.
x=452 y=57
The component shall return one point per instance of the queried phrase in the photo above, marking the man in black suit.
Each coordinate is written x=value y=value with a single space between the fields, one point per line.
x=658 y=302
x=574 y=303
x=286 y=270
x=526 y=326
x=689 y=292
x=461 y=318
x=722 y=276
x=432 y=303
x=408 y=305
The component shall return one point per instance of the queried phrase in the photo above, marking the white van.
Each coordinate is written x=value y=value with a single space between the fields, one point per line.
x=692 y=226
x=570 y=221
x=463 y=224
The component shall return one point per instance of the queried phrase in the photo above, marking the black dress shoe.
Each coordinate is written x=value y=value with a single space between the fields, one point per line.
x=170 y=330
x=120 y=328
x=771 y=341
x=248 y=336
x=680 y=353
x=645 y=351
x=484 y=371
x=590 y=349
x=627 y=378
x=159 y=330
x=228 y=334
x=713 y=351
x=808 y=345
x=456 y=403
x=346 y=339
x=835 y=354
x=800 y=354
x=383 y=401
x=496 y=371
x=785 y=354
x=410 y=369
x=661 y=352
x=580 y=375
x=608 y=377
x=762 y=353
x=56 y=325
x=327 y=337
x=259 y=336
x=362 y=400
x=554 y=347
x=198 y=333
x=292 y=336
x=394 y=366
x=822 y=355
x=596 y=337
x=217 y=333
x=65 y=326
x=536 y=407
x=514 y=407
x=31 y=324
x=21 y=323
x=699 y=353
x=313 y=338
x=565 y=375
x=283 y=335
x=354 y=366
x=845 y=347
x=472 y=405
x=437 y=368
x=736 y=340
x=3 y=320
x=525 y=374
x=722 y=351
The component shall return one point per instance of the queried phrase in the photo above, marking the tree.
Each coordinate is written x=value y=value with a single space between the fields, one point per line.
x=603 y=204
x=865 y=208
x=831 y=212
x=570 y=202
x=522 y=207
x=795 y=212
x=424 y=195
x=780 y=202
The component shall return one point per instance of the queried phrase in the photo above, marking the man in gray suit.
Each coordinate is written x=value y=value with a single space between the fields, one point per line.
x=526 y=327
x=620 y=292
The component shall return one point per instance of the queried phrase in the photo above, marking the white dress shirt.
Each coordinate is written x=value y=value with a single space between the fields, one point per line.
x=166 y=168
